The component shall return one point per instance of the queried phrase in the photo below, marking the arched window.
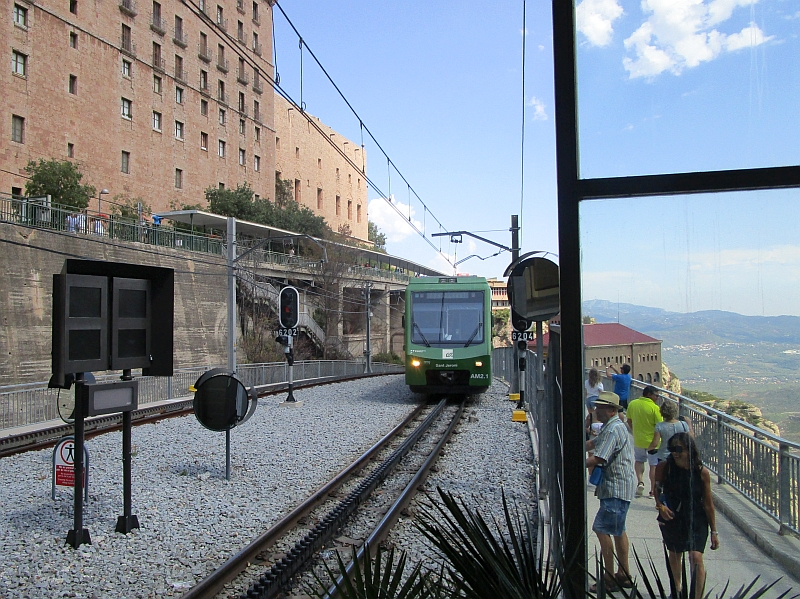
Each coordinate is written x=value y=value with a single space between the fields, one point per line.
x=656 y=377
x=640 y=378
x=649 y=378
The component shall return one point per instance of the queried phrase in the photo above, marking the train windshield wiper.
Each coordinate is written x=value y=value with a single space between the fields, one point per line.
x=475 y=332
x=421 y=334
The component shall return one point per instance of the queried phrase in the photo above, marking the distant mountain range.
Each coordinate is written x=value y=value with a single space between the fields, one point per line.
x=696 y=328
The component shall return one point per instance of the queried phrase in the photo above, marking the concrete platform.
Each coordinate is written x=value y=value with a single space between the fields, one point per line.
x=756 y=550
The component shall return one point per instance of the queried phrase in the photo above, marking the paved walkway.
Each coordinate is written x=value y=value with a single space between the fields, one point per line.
x=743 y=554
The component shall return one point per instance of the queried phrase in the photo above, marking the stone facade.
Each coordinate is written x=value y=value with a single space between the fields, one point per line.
x=322 y=179
x=79 y=61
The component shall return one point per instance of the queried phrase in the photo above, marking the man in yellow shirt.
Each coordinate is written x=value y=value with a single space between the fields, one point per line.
x=643 y=415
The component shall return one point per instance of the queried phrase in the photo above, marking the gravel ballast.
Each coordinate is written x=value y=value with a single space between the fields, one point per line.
x=192 y=519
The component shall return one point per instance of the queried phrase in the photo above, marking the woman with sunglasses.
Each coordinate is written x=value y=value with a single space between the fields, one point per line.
x=685 y=509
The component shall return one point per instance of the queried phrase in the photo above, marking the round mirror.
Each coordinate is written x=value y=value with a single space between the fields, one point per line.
x=220 y=402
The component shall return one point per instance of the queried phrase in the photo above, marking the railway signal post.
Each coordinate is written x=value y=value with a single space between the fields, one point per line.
x=289 y=317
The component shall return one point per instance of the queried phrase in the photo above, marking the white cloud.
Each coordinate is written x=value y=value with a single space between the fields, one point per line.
x=538 y=109
x=595 y=19
x=681 y=34
x=395 y=227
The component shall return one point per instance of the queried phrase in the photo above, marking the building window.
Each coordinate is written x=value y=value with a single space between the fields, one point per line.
x=178 y=178
x=241 y=102
x=358 y=213
x=256 y=163
x=242 y=125
x=319 y=199
x=204 y=141
x=70 y=150
x=126 y=68
x=19 y=63
x=337 y=173
x=256 y=110
x=242 y=157
x=17 y=129
x=179 y=95
x=220 y=15
x=73 y=40
x=73 y=6
x=349 y=210
x=297 y=152
x=221 y=149
x=126 y=162
x=221 y=185
x=338 y=206
x=157 y=84
x=297 y=190
x=179 y=68
x=127 y=43
x=204 y=107
x=277 y=143
x=319 y=163
x=258 y=134
x=73 y=84
x=156 y=120
x=127 y=108
x=203 y=80
x=222 y=116
x=240 y=31
x=178 y=129
x=255 y=11
x=20 y=15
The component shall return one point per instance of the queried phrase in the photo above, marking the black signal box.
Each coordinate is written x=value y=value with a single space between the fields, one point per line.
x=112 y=316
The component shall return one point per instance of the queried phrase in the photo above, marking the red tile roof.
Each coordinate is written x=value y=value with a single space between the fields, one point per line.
x=610 y=333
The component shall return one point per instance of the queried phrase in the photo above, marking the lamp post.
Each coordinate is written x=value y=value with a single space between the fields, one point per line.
x=99 y=199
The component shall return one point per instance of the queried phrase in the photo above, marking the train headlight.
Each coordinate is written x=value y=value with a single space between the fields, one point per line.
x=478 y=364
x=415 y=362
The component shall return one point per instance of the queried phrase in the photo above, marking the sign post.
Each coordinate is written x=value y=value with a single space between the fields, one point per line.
x=289 y=316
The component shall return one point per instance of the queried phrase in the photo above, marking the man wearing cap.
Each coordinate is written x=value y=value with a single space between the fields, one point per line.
x=613 y=451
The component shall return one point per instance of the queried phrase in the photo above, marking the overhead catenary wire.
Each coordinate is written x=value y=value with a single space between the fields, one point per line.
x=522 y=141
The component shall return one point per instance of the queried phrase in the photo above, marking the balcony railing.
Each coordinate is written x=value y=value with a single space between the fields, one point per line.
x=157 y=24
x=257 y=85
x=128 y=47
x=179 y=38
x=222 y=64
x=204 y=52
x=222 y=24
x=256 y=19
x=243 y=110
x=257 y=116
x=128 y=7
x=257 y=48
x=203 y=5
x=222 y=97
x=158 y=64
x=180 y=74
x=240 y=6
x=204 y=89
x=241 y=37
x=242 y=76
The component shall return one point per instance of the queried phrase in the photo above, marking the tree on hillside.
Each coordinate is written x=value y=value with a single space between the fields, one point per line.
x=59 y=179
x=375 y=235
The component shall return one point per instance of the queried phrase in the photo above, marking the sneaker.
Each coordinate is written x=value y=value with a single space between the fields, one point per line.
x=639 y=489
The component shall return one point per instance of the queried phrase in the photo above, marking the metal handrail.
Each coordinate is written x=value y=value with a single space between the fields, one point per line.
x=33 y=403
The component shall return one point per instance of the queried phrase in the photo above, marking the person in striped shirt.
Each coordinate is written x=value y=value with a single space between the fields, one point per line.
x=613 y=451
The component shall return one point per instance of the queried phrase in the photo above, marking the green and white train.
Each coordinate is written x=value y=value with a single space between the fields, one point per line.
x=448 y=335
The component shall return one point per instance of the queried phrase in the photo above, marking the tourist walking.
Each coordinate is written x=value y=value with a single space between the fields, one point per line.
x=622 y=382
x=593 y=387
x=670 y=426
x=643 y=416
x=613 y=452
x=685 y=510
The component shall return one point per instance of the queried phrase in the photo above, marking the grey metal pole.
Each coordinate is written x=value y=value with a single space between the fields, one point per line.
x=231 y=294
x=368 y=351
x=228 y=454
x=78 y=535
x=515 y=377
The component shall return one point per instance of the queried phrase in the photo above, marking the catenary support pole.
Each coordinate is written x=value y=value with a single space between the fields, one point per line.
x=368 y=349
x=515 y=378
x=231 y=294
x=78 y=535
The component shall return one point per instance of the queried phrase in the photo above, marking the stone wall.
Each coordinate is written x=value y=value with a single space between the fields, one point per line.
x=31 y=257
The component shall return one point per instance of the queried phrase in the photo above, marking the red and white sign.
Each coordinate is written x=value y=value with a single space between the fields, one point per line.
x=64 y=464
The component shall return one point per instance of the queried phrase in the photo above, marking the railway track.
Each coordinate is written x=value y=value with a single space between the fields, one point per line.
x=49 y=436
x=274 y=561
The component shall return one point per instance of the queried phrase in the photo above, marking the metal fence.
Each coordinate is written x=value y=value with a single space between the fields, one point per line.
x=34 y=403
x=763 y=467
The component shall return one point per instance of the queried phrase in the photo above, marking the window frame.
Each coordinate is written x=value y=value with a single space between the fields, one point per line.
x=158 y=121
x=16 y=55
x=125 y=162
x=126 y=108
x=20 y=10
x=179 y=130
x=221 y=148
x=17 y=129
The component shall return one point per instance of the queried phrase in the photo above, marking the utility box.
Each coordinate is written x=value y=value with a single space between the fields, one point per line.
x=111 y=316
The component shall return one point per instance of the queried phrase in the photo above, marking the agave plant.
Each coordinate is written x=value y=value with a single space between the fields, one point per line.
x=379 y=579
x=489 y=560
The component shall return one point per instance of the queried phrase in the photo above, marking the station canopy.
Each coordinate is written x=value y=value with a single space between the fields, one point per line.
x=206 y=222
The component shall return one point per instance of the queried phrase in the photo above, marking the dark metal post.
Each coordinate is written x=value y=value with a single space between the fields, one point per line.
x=784 y=490
x=515 y=378
x=127 y=522
x=228 y=454
x=567 y=172
x=290 y=360
x=368 y=350
x=78 y=535
x=720 y=434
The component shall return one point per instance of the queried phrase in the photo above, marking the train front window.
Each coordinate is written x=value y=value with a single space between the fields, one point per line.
x=447 y=318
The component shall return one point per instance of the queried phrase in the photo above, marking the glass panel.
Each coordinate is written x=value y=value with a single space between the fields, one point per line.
x=132 y=303
x=714 y=279
x=84 y=302
x=447 y=318
x=132 y=343
x=84 y=345
x=687 y=86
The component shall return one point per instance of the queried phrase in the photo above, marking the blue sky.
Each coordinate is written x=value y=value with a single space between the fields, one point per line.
x=664 y=86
